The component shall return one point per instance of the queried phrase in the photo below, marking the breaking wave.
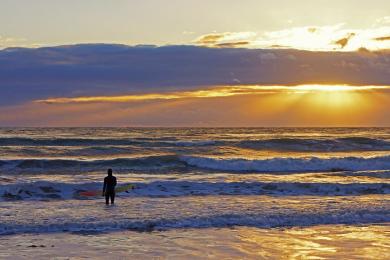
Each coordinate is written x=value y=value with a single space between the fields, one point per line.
x=280 y=144
x=318 y=145
x=277 y=164
x=118 y=163
x=54 y=190
x=290 y=164
x=262 y=220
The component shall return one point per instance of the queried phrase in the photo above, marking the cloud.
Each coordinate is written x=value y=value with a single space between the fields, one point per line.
x=313 y=38
x=305 y=38
x=215 y=92
x=11 y=41
x=344 y=41
x=8 y=42
x=384 y=38
x=278 y=46
x=112 y=70
x=226 y=39
x=188 y=32
x=383 y=20
x=314 y=105
x=233 y=44
x=210 y=39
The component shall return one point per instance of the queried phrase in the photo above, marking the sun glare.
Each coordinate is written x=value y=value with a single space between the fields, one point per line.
x=337 y=88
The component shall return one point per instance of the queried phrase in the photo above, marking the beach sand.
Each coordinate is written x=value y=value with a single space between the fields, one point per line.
x=316 y=242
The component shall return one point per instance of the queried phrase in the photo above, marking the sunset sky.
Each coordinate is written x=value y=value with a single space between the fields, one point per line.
x=194 y=63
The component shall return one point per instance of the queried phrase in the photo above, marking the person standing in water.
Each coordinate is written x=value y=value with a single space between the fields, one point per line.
x=109 y=187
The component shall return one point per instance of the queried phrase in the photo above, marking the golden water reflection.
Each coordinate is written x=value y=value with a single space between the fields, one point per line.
x=317 y=242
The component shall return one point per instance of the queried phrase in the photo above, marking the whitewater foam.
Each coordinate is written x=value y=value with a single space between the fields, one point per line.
x=318 y=145
x=54 y=190
x=155 y=214
x=290 y=164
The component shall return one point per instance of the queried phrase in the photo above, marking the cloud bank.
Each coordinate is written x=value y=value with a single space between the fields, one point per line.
x=103 y=69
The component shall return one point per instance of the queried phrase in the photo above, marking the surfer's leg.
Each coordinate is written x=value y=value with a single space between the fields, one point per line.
x=112 y=195
x=107 y=197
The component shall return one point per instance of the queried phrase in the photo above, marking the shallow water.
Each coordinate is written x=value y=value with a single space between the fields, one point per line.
x=179 y=212
x=318 y=242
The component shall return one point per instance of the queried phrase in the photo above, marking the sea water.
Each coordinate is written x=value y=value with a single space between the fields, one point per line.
x=193 y=179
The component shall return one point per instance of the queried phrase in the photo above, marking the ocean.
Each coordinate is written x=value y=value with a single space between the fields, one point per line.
x=196 y=183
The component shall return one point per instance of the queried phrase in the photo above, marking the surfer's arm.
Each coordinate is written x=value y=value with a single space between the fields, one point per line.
x=104 y=186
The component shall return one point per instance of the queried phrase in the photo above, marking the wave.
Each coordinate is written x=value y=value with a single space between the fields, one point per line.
x=279 y=144
x=24 y=141
x=154 y=142
x=319 y=145
x=290 y=164
x=371 y=174
x=195 y=143
x=54 y=190
x=161 y=223
x=151 y=162
x=181 y=162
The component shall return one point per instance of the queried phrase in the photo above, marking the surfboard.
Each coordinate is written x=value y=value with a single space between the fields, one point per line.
x=123 y=188
x=93 y=193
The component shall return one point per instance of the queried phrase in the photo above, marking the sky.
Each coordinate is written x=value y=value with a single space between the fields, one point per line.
x=194 y=63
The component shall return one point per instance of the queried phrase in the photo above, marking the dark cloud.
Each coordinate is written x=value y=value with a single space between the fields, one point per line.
x=385 y=38
x=232 y=44
x=278 y=46
x=100 y=69
x=344 y=41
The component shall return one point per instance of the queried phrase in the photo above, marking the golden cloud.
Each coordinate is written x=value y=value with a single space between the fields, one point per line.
x=312 y=38
x=226 y=39
x=225 y=91
x=210 y=38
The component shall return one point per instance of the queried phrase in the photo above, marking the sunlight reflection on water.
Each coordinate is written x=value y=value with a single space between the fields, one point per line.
x=319 y=242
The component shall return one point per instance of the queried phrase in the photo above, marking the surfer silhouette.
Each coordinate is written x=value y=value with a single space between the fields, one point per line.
x=109 y=187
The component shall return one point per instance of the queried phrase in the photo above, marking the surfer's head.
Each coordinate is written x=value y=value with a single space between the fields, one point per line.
x=109 y=172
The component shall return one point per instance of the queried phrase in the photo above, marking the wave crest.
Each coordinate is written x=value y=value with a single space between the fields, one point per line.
x=290 y=164
x=326 y=145
x=119 y=163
